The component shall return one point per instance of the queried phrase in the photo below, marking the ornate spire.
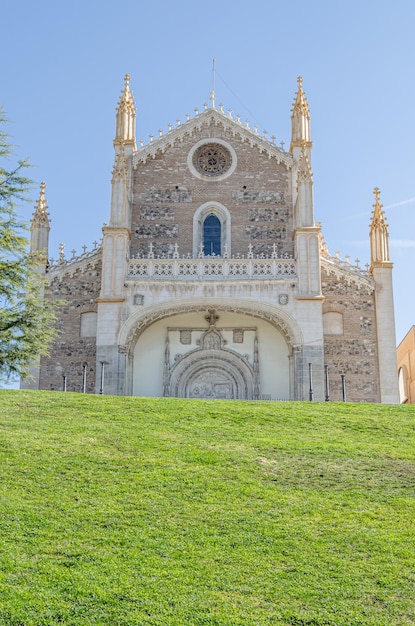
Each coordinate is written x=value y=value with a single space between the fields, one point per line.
x=125 y=118
x=379 y=235
x=40 y=225
x=300 y=118
x=304 y=166
x=41 y=216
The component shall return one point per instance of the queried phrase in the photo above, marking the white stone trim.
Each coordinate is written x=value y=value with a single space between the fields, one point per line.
x=140 y=320
x=78 y=264
x=215 y=117
x=208 y=269
x=351 y=274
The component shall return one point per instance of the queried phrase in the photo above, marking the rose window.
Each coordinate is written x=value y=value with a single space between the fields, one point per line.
x=212 y=159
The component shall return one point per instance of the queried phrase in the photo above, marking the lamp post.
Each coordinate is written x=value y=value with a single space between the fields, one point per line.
x=310 y=378
x=326 y=375
x=101 y=388
x=84 y=366
x=343 y=377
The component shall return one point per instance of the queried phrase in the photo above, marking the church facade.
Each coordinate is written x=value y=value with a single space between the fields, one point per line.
x=213 y=280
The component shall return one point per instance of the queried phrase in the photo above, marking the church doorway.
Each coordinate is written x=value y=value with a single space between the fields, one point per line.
x=211 y=354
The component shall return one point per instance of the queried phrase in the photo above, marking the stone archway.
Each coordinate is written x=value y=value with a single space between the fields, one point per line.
x=148 y=334
x=212 y=374
x=212 y=370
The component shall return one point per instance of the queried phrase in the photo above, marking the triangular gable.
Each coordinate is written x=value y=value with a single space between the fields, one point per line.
x=207 y=118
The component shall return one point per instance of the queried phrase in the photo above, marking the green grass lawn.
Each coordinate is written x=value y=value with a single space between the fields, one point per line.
x=164 y=512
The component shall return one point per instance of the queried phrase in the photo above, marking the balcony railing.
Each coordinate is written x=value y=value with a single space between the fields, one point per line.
x=211 y=269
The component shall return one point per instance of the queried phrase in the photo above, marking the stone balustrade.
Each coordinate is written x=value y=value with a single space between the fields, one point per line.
x=211 y=269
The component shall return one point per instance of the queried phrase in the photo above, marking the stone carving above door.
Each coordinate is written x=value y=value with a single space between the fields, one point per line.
x=211 y=384
x=212 y=370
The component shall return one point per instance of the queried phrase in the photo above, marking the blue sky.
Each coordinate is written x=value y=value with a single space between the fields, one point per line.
x=62 y=72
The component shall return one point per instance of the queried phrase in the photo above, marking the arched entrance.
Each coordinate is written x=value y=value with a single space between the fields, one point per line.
x=211 y=374
x=244 y=356
x=212 y=370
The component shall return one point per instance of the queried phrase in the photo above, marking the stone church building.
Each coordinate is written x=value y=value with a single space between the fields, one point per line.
x=213 y=280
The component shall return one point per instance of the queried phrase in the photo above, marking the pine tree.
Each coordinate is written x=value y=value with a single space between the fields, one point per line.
x=26 y=318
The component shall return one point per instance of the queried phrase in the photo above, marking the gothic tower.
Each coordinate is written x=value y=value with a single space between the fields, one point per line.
x=39 y=249
x=116 y=239
x=40 y=227
x=381 y=270
x=306 y=232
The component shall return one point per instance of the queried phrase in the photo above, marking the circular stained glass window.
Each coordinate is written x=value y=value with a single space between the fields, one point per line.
x=212 y=159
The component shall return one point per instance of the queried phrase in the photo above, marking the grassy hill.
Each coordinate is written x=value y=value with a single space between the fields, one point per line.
x=163 y=512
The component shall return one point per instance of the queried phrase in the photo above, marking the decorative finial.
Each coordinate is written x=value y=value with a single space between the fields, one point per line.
x=376 y=193
x=41 y=215
x=61 y=253
x=378 y=216
x=125 y=118
x=300 y=118
x=42 y=203
x=379 y=235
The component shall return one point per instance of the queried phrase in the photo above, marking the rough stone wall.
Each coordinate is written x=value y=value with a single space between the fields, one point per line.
x=166 y=195
x=353 y=353
x=77 y=287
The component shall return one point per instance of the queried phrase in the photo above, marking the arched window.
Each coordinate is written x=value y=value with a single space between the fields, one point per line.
x=212 y=236
x=212 y=230
x=403 y=396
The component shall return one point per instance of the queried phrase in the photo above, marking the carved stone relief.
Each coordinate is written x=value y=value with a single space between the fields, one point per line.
x=186 y=337
x=212 y=159
x=211 y=370
x=238 y=335
x=212 y=384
